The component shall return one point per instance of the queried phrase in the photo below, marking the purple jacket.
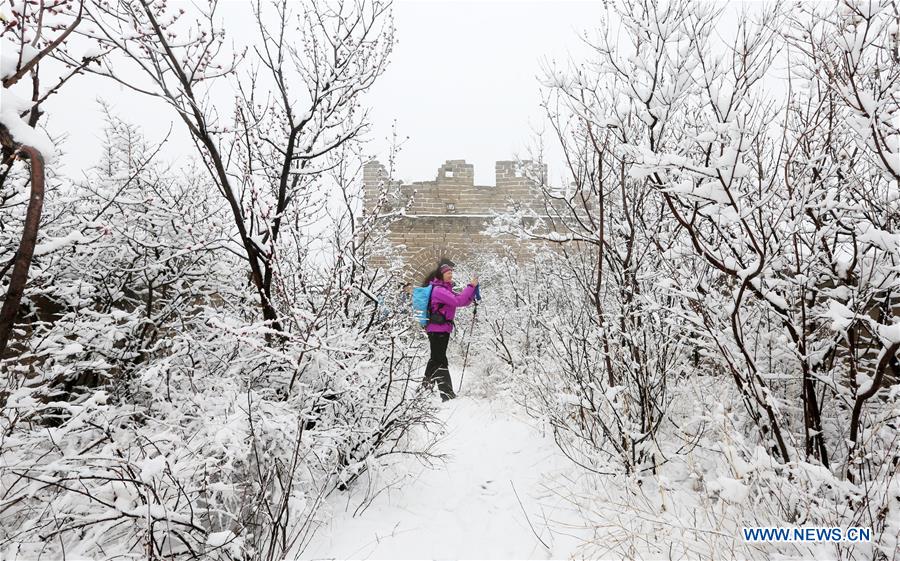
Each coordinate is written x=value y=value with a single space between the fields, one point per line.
x=444 y=300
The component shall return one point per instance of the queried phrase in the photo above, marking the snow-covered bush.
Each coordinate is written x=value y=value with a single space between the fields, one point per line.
x=151 y=414
x=126 y=253
x=596 y=374
x=700 y=500
x=206 y=457
x=763 y=250
x=206 y=354
x=766 y=226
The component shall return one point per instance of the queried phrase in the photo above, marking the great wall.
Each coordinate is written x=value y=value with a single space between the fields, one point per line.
x=447 y=216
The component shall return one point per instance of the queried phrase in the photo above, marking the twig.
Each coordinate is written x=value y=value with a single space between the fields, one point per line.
x=526 y=516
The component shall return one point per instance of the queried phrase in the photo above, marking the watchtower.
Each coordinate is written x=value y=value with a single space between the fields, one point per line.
x=447 y=216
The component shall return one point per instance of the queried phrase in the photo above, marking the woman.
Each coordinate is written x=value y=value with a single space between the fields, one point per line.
x=440 y=324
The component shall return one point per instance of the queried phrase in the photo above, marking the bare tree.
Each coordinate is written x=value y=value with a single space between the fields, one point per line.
x=845 y=137
x=770 y=216
x=616 y=352
x=275 y=150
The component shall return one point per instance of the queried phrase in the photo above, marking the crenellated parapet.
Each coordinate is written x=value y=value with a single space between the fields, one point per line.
x=453 y=190
x=446 y=216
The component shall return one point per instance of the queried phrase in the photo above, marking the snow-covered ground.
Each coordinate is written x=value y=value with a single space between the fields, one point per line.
x=481 y=502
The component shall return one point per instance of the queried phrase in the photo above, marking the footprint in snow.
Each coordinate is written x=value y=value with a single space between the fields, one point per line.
x=488 y=489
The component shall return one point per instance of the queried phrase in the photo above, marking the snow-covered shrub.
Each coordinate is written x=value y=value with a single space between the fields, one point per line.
x=504 y=333
x=769 y=226
x=189 y=425
x=151 y=414
x=596 y=374
x=126 y=253
x=779 y=251
x=702 y=497
x=207 y=457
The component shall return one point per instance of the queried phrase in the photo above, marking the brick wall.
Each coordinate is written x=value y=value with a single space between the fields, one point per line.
x=446 y=216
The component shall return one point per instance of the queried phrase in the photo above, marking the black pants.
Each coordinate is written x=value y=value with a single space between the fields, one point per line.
x=437 y=365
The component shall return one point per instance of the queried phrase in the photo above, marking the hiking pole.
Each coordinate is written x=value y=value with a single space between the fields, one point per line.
x=471 y=329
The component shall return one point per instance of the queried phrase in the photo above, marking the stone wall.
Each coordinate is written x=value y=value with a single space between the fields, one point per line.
x=446 y=217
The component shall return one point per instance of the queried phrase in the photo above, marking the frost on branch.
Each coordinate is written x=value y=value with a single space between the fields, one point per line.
x=190 y=379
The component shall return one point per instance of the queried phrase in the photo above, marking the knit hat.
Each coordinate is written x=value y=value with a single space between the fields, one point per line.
x=445 y=268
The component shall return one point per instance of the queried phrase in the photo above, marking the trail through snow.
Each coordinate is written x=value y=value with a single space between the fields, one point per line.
x=466 y=507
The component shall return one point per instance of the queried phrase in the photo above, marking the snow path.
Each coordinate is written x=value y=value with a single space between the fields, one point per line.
x=466 y=507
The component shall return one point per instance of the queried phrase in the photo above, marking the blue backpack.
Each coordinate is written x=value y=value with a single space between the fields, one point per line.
x=421 y=303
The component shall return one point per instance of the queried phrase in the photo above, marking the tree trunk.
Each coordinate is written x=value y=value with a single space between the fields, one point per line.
x=887 y=354
x=23 y=255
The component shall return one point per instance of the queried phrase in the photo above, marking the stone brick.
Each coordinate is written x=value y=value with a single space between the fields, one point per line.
x=431 y=230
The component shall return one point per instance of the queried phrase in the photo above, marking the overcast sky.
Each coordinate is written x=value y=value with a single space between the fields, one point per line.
x=462 y=84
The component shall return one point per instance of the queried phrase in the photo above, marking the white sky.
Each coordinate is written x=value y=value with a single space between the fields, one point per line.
x=462 y=84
